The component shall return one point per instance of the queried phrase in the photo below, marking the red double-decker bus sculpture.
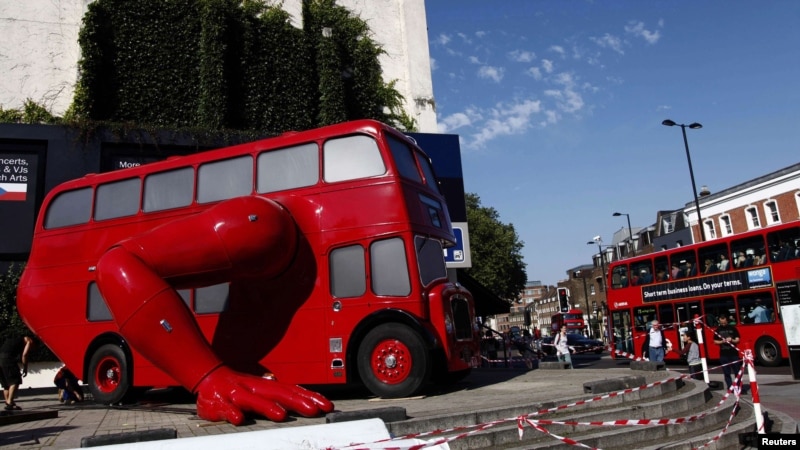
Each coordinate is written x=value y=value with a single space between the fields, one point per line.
x=240 y=273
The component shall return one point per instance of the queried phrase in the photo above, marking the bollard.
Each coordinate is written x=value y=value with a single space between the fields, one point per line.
x=751 y=376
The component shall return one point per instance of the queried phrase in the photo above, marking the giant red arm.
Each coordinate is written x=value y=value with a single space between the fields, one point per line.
x=241 y=237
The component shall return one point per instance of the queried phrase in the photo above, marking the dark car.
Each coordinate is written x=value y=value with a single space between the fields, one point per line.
x=578 y=343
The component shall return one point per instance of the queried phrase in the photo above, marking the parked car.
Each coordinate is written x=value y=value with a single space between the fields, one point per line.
x=578 y=343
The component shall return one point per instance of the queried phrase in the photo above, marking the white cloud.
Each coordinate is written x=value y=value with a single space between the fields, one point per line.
x=568 y=99
x=663 y=108
x=522 y=55
x=442 y=39
x=464 y=38
x=609 y=41
x=491 y=72
x=547 y=65
x=637 y=29
x=459 y=120
x=434 y=66
x=480 y=34
x=558 y=49
x=506 y=120
x=535 y=72
x=474 y=60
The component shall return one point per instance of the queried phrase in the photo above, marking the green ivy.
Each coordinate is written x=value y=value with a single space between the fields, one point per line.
x=30 y=113
x=10 y=321
x=229 y=64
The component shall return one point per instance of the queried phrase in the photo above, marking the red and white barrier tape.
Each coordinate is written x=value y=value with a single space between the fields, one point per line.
x=735 y=389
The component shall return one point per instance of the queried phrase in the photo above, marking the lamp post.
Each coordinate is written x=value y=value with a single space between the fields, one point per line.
x=630 y=233
x=597 y=240
x=576 y=274
x=693 y=126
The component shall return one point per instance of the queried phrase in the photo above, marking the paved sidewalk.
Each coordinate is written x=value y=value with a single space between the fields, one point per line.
x=484 y=388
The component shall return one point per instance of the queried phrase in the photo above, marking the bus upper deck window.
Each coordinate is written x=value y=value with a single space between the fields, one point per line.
x=229 y=178
x=427 y=170
x=352 y=157
x=404 y=159
x=69 y=208
x=288 y=168
x=117 y=199
x=168 y=190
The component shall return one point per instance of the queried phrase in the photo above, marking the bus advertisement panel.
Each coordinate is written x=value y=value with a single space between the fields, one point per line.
x=736 y=276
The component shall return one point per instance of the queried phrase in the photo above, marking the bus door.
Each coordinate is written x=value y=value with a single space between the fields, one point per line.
x=621 y=325
x=671 y=327
x=684 y=312
x=642 y=320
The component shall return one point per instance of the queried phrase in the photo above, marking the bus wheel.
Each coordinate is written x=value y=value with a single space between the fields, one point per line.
x=109 y=378
x=393 y=361
x=768 y=352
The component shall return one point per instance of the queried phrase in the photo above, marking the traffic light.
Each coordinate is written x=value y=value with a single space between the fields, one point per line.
x=563 y=299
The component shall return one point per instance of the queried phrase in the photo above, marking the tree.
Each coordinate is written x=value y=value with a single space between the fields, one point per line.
x=495 y=248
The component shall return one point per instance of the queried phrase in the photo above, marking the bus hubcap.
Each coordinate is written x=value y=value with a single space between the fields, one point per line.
x=391 y=361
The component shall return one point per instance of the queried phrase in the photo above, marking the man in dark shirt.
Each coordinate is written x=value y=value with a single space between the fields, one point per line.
x=727 y=337
x=13 y=349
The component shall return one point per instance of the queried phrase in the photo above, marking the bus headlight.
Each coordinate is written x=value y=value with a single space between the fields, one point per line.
x=448 y=325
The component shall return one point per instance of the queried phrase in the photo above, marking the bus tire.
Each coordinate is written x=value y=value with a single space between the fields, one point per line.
x=393 y=361
x=109 y=374
x=768 y=352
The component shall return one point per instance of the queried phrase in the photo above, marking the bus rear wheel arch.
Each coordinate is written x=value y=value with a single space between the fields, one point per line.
x=768 y=352
x=109 y=374
x=393 y=361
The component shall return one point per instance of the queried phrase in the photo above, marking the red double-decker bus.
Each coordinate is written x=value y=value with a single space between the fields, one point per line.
x=572 y=320
x=357 y=289
x=737 y=276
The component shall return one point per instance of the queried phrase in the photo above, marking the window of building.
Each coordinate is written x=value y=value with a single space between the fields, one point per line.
x=666 y=224
x=771 y=212
x=711 y=231
x=592 y=290
x=752 y=216
x=797 y=200
x=725 y=225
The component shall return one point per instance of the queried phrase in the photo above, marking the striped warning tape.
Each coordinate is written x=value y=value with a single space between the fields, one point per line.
x=537 y=424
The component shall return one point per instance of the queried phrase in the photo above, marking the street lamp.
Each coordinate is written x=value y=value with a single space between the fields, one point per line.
x=630 y=233
x=599 y=241
x=694 y=126
x=578 y=274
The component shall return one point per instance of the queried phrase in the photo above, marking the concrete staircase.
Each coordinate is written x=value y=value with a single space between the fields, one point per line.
x=676 y=398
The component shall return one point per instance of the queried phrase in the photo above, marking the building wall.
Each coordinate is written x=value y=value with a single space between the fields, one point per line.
x=781 y=187
x=39 y=50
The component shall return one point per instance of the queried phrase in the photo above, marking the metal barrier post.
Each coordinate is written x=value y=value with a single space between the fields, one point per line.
x=751 y=376
x=698 y=325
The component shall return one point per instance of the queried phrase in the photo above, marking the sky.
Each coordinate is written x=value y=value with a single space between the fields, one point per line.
x=558 y=106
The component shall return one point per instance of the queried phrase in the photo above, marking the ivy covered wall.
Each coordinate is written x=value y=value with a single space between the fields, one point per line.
x=229 y=64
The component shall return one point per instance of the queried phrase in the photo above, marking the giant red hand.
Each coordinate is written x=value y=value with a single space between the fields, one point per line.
x=228 y=395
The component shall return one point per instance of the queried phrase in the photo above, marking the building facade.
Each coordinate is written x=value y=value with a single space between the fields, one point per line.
x=39 y=51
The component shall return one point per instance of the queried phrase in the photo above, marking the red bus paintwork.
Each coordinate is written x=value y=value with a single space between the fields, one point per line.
x=572 y=319
x=721 y=288
x=288 y=324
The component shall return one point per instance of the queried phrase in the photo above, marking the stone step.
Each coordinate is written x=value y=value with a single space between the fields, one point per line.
x=678 y=398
